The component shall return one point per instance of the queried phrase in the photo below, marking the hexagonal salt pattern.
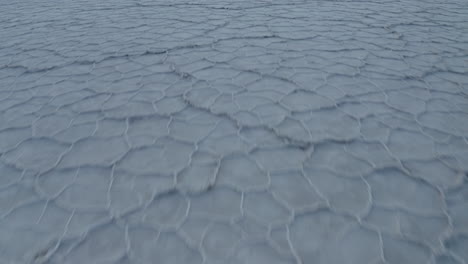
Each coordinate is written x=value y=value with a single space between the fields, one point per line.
x=241 y=132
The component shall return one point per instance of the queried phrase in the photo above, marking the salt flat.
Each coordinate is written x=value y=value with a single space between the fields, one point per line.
x=234 y=132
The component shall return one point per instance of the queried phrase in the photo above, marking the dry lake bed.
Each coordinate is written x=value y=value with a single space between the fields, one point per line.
x=238 y=132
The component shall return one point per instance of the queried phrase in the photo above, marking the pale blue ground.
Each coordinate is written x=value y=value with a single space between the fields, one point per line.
x=257 y=132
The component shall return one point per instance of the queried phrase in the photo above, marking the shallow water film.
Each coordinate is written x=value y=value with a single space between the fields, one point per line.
x=256 y=132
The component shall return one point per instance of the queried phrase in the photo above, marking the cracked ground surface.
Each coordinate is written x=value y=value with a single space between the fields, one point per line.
x=234 y=132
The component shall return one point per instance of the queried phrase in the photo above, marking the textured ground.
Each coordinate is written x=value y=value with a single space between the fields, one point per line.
x=234 y=132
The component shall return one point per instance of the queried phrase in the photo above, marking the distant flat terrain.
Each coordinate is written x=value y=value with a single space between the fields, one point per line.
x=237 y=132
